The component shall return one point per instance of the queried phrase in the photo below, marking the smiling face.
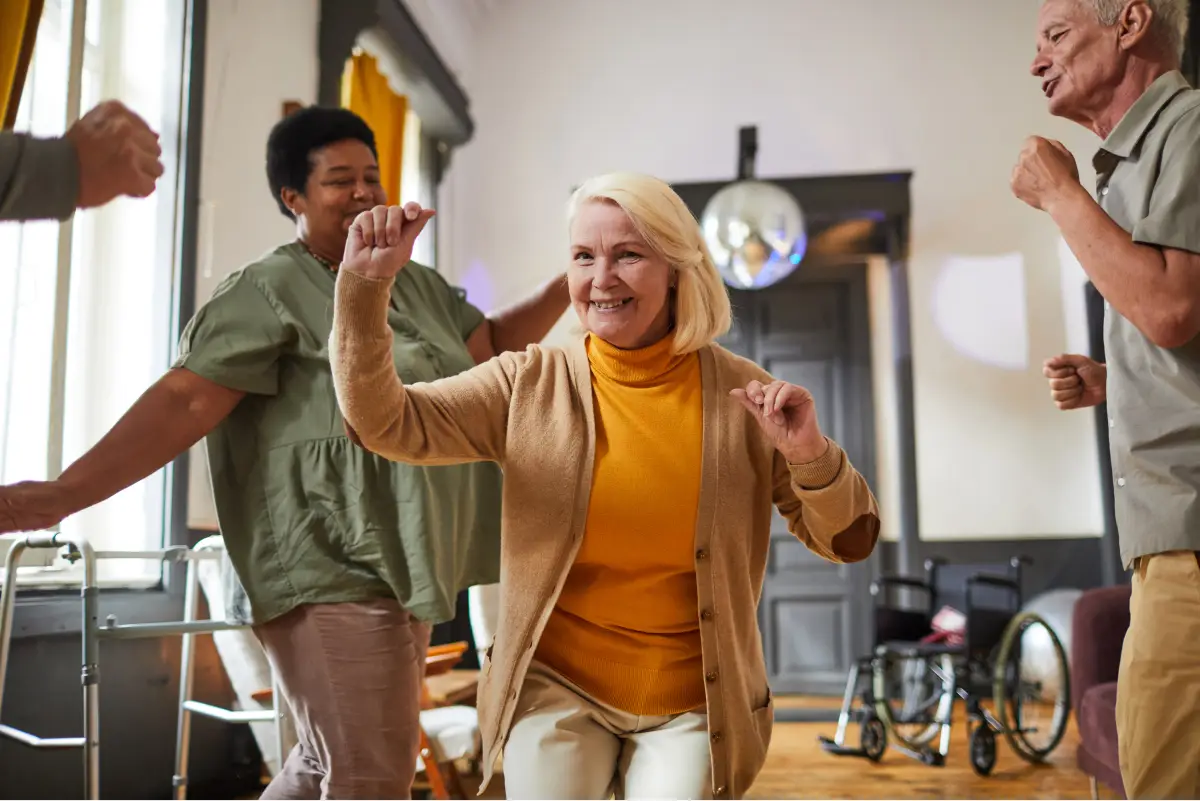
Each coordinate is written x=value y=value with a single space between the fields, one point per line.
x=619 y=286
x=342 y=182
x=1080 y=61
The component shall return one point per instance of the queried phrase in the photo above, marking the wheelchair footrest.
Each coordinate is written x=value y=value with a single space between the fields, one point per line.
x=829 y=746
x=926 y=756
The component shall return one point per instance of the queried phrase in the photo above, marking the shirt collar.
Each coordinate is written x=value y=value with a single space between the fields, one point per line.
x=1128 y=133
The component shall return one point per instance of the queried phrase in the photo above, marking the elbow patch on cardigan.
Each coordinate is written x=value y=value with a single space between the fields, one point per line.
x=857 y=541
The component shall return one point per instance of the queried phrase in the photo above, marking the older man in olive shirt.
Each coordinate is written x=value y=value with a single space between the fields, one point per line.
x=1113 y=68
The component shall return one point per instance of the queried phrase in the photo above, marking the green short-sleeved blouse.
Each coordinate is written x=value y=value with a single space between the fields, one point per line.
x=307 y=516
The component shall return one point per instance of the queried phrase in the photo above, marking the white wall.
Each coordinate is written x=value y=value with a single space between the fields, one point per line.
x=563 y=90
x=260 y=53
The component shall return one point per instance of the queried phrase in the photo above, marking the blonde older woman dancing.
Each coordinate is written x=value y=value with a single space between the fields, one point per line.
x=640 y=467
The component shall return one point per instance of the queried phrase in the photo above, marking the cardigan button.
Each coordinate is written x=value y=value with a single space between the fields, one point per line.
x=707 y=614
x=716 y=736
x=701 y=555
x=711 y=676
x=720 y=791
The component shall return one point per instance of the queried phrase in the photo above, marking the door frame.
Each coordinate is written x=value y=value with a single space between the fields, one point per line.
x=883 y=201
x=858 y=436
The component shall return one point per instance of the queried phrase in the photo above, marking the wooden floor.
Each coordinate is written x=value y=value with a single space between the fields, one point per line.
x=797 y=767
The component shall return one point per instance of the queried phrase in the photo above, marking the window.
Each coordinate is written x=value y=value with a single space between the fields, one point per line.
x=417 y=151
x=89 y=306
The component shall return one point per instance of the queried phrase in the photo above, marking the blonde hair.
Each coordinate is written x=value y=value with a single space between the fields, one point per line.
x=701 y=302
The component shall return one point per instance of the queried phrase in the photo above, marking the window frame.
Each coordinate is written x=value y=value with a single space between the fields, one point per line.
x=42 y=611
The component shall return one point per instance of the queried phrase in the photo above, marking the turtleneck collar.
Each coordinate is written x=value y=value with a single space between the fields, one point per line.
x=640 y=366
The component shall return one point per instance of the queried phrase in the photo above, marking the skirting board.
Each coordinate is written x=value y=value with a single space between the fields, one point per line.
x=805 y=715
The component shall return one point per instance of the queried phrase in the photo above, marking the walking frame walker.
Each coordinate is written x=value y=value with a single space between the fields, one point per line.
x=93 y=632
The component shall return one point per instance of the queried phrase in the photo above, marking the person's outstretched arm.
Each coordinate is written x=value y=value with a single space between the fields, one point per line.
x=170 y=417
x=230 y=349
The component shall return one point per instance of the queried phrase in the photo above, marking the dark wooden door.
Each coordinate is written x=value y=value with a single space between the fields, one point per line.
x=813 y=329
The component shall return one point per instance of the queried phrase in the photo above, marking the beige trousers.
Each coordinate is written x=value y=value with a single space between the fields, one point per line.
x=1158 y=687
x=566 y=744
x=352 y=676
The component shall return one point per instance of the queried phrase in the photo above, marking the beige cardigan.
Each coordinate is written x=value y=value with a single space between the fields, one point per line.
x=532 y=412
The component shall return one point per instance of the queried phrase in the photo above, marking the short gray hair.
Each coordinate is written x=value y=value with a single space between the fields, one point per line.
x=1170 y=23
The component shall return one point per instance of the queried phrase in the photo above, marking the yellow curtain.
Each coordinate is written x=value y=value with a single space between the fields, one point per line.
x=365 y=91
x=18 y=30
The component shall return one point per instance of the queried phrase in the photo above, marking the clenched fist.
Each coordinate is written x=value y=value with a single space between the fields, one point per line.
x=118 y=155
x=1076 y=382
x=787 y=415
x=381 y=240
x=1045 y=172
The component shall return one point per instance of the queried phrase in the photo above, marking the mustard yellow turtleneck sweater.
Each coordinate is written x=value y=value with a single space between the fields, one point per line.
x=626 y=627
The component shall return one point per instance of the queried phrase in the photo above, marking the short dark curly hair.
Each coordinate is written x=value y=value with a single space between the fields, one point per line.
x=296 y=136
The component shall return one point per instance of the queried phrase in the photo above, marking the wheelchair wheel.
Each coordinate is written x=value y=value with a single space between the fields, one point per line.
x=873 y=737
x=913 y=696
x=982 y=745
x=1033 y=699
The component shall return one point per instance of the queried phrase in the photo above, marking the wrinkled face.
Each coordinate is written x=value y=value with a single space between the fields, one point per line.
x=620 y=287
x=343 y=182
x=1079 y=61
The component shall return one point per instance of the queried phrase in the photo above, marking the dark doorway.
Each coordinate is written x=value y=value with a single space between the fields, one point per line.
x=813 y=329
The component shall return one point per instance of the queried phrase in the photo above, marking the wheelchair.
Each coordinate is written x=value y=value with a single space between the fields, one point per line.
x=907 y=688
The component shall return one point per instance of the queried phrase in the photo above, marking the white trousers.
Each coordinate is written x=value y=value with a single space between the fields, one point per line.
x=566 y=744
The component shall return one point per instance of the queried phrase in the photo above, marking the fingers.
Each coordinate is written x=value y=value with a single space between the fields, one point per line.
x=144 y=175
x=771 y=401
x=1063 y=364
x=364 y=225
x=1067 y=383
x=379 y=218
x=414 y=228
x=394 y=234
x=392 y=226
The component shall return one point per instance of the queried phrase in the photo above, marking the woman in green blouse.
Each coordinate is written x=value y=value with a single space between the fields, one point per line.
x=345 y=557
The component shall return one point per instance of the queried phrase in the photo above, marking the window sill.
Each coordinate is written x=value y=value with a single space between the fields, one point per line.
x=68 y=578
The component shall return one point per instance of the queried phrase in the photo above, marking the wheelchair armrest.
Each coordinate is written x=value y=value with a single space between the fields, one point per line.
x=886 y=582
x=995 y=581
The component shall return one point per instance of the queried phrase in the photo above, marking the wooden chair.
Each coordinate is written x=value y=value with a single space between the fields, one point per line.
x=449 y=728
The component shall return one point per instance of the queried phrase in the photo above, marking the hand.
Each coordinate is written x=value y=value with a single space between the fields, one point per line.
x=1076 y=382
x=381 y=240
x=787 y=416
x=1045 y=172
x=118 y=155
x=31 y=506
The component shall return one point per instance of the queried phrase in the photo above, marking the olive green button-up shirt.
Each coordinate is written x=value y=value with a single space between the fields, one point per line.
x=307 y=516
x=1148 y=175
